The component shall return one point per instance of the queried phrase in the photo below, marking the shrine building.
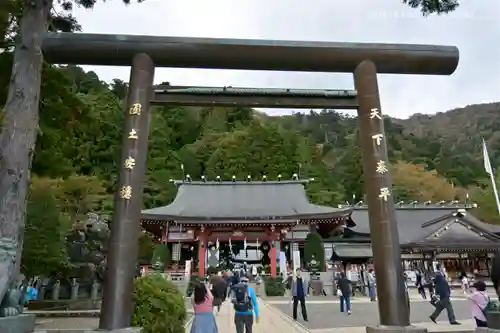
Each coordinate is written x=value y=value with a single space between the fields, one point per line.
x=240 y=216
x=256 y=222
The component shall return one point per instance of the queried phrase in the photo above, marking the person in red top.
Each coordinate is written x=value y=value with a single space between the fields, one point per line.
x=204 y=320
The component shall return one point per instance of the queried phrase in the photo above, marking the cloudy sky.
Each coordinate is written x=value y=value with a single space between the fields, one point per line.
x=474 y=29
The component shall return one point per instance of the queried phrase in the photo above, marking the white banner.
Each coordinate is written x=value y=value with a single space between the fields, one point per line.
x=282 y=263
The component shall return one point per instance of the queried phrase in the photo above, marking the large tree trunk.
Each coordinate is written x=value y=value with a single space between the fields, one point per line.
x=20 y=125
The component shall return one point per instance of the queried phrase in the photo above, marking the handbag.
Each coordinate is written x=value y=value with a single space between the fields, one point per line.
x=339 y=292
x=434 y=300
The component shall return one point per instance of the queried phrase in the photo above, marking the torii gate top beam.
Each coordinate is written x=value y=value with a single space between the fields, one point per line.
x=216 y=53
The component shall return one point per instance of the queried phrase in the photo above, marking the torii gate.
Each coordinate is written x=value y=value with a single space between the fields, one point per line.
x=143 y=53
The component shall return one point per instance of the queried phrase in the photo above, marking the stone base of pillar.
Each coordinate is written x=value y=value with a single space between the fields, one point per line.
x=120 y=330
x=395 y=329
x=24 y=323
x=487 y=330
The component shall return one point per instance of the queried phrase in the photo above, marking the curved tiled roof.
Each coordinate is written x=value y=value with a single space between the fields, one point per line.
x=271 y=200
x=417 y=223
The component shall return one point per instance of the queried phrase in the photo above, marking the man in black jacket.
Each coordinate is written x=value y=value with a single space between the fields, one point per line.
x=344 y=290
x=443 y=291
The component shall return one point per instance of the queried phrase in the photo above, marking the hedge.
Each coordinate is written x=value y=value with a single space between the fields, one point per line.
x=158 y=305
x=274 y=286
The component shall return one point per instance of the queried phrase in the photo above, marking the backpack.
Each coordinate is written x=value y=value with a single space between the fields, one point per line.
x=241 y=298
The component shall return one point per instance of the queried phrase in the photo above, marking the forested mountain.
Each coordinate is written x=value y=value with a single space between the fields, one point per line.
x=458 y=135
x=81 y=127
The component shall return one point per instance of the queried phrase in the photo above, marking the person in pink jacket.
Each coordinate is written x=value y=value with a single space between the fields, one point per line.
x=479 y=300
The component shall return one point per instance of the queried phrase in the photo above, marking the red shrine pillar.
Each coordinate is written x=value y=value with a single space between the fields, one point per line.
x=164 y=235
x=272 y=253
x=272 y=257
x=202 y=248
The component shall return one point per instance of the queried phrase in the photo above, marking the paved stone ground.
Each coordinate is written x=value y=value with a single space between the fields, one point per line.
x=325 y=315
x=271 y=321
x=414 y=296
x=67 y=323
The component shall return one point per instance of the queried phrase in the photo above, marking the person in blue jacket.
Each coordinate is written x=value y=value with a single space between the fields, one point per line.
x=245 y=304
x=443 y=291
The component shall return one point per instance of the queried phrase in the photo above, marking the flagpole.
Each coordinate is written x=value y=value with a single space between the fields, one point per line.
x=489 y=170
x=495 y=191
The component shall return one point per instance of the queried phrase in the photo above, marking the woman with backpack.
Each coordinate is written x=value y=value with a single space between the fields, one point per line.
x=479 y=300
x=204 y=320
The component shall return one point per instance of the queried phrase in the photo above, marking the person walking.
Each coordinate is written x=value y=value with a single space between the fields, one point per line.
x=443 y=291
x=371 y=285
x=479 y=300
x=245 y=304
x=420 y=284
x=430 y=283
x=464 y=280
x=300 y=288
x=204 y=320
x=344 y=291
x=218 y=291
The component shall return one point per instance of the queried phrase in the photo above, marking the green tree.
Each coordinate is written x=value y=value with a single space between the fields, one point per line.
x=433 y=6
x=147 y=243
x=483 y=195
x=313 y=249
x=20 y=120
x=351 y=166
x=161 y=256
x=44 y=252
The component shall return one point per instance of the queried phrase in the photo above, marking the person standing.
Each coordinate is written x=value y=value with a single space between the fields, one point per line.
x=245 y=304
x=204 y=320
x=443 y=291
x=344 y=291
x=479 y=302
x=495 y=273
x=371 y=285
x=300 y=290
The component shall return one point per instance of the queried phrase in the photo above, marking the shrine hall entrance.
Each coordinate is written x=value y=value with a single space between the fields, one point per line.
x=237 y=222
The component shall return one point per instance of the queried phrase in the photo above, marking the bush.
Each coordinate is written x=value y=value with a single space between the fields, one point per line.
x=274 y=286
x=158 y=305
x=314 y=249
x=161 y=256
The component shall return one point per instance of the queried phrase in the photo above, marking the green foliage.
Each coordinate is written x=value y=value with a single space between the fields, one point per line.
x=161 y=256
x=313 y=249
x=158 y=305
x=44 y=252
x=274 y=286
x=433 y=6
x=147 y=243
x=79 y=143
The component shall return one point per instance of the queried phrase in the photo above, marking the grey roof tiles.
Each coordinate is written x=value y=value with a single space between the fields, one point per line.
x=242 y=200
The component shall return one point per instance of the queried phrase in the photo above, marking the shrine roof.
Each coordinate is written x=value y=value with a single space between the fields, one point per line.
x=241 y=200
x=434 y=224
